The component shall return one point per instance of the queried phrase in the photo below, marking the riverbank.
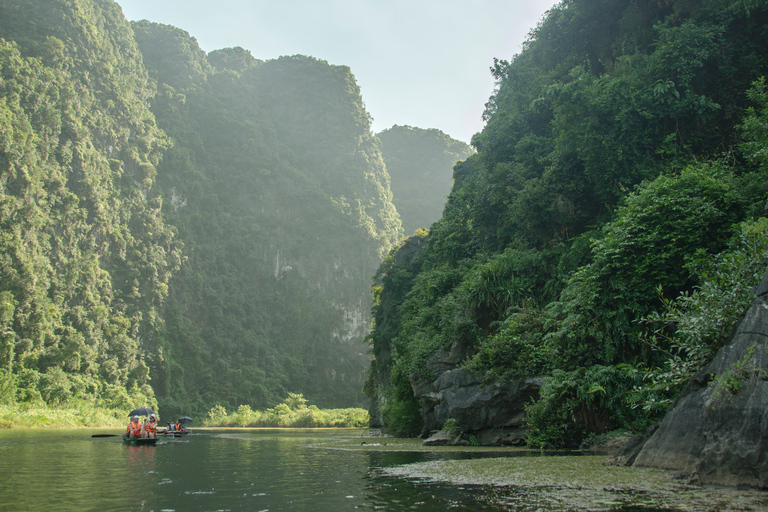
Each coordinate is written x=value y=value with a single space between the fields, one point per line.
x=71 y=415
x=516 y=476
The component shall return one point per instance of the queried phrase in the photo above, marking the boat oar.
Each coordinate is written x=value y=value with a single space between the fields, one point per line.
x=106 y=435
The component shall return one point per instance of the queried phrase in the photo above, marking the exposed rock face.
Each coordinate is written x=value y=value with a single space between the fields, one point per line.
x=442 y=438
x=717 y=432
x=494 y=413
x=626 y=454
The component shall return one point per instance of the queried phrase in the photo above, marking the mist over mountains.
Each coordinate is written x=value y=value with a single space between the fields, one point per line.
x=182 y=229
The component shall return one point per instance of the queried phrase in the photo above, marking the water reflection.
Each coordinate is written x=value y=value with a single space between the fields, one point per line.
x=247 y=470
x=259 y=470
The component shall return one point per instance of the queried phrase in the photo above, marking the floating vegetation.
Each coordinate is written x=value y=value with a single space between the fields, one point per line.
x=578 y=483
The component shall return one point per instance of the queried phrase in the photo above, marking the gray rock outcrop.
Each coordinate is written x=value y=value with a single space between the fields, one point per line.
x=493 y=412
x=717 y=432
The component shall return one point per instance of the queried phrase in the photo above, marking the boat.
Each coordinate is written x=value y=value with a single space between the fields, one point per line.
x=139 y=441
x=172 y=433
x=180 y=427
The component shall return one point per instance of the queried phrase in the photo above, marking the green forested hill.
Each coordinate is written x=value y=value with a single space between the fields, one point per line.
x=420 y=164
x=85 y=254
x=280 y=196
x=620 y=167
x=180 y=230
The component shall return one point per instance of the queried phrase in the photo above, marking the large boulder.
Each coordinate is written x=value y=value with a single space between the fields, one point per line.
x=717 y=432
x=494 y=412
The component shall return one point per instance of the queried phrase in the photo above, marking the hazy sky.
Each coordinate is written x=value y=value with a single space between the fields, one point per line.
x=422 y=63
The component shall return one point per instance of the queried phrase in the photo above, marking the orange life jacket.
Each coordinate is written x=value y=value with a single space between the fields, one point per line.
x=152 y=427
x=134 y=426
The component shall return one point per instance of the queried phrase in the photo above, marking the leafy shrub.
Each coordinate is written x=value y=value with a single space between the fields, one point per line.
x=517 y=347
x=8 y=387
x=690 y=329
x=650 y=244
x=217 y=412
x=452 y=427
x=575 y=404
x=402 y=416
x=755 y=127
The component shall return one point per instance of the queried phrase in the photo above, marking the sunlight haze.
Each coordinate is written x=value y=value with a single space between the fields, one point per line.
x=418 y=63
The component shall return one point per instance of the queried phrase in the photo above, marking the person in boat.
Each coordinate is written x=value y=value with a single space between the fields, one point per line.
x=150 y=427
x=171 y=427
x=134 y=427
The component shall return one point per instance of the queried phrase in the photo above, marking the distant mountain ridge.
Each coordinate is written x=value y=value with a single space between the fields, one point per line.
x=420 y=166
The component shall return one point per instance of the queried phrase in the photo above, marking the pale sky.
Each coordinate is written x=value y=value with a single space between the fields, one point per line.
x=423 y=63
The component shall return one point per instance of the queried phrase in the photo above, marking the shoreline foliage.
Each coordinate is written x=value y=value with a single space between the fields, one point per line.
x=73 y=414
x=291 y=413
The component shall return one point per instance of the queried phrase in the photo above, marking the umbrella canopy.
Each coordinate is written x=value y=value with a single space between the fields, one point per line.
x=185 y=419
x=141 y=411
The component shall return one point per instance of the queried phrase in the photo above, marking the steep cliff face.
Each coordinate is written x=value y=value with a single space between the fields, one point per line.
x=86 y=253
x=584 y=202
x=282 y=200
x=341 y=204
x=493 y=411
x=393 y=280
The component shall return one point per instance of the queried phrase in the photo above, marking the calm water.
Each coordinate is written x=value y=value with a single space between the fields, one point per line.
x=253 y=470
x=213 y=470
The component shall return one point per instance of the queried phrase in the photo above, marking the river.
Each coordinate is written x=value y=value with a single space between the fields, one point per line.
x=322 y=470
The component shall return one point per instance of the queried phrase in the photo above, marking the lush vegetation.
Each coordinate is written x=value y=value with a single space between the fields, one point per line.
x=279 y=193
x=73 y=414
x=419 y=164
x=179 y=230
x=291 y=413
x=183 y=230
x=85 y=253
x=616 y=198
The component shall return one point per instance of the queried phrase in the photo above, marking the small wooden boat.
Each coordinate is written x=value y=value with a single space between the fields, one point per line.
x=139 y=441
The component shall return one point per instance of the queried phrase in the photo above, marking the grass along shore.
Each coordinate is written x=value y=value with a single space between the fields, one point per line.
x=70 y=415
x=292 y=413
